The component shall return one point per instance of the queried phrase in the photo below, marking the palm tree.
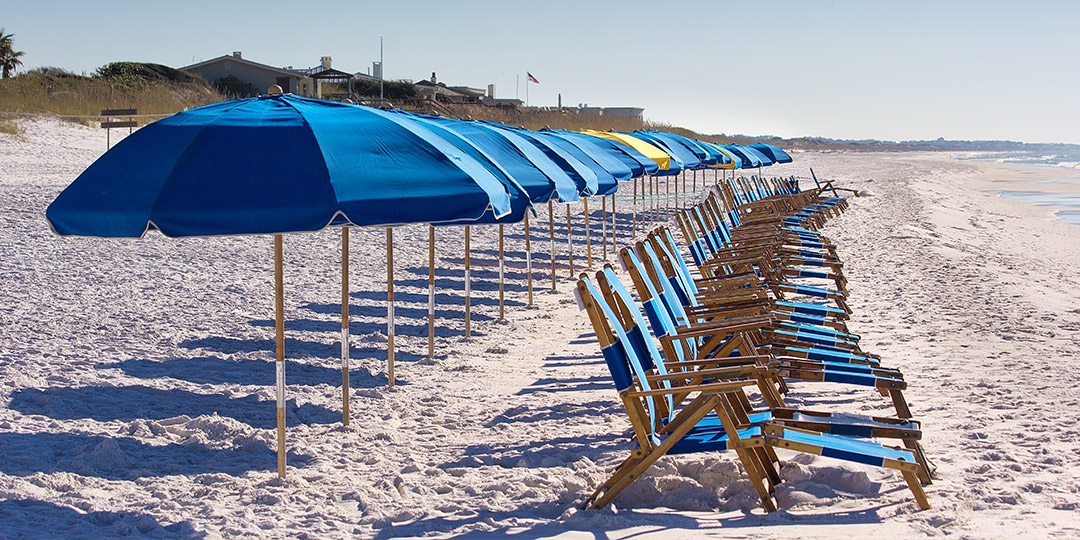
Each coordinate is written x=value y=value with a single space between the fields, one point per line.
x=9 y=57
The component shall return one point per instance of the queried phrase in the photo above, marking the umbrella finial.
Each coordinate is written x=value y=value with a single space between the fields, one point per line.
x=275 y=90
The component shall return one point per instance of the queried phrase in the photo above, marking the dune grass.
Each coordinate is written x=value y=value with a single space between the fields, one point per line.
x=10 y=126
x=83 y=98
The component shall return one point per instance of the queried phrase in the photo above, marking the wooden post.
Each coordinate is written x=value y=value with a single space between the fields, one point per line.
x=677 y=192
x=614 y=227
x=588 y=237
x=468 y=284
x=390 y=305
x=570 y=240
x=502 y=275
x=551 y=233
x=431 y=294
x=279 y=344
x=667 y=194
x=603 y=224
x=345 y=325
x=656 y=201
x=528 y=259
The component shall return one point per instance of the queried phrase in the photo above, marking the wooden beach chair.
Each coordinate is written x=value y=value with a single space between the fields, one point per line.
x=662 y=427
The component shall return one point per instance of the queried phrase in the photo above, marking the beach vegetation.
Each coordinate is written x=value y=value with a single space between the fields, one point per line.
x=10 y=59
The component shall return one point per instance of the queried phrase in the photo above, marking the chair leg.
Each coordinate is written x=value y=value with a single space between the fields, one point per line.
x=769 y=466
x=925 y=472
x=602 y=492
x=916 y=489
x=901 y=405
x=753 y=470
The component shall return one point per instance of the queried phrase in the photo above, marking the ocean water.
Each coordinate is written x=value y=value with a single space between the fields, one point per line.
x=1068 y=204
x=1065 y=199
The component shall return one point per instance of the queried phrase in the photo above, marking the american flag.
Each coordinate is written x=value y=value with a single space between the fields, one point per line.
x=531 y=79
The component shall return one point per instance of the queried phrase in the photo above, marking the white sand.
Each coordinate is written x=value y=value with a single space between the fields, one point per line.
x=137 y=378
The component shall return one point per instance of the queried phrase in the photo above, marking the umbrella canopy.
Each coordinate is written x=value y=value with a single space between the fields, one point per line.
x=500 y=166
x=602 y=183
x=706 y=156
x=685 y=155
x=603 y=157
x=584 y=178
x=566 y=186
x=722 y=159
x=749 y=159
x=275 y=164
x=775 y=153
x=636 y=161
x=733 y=161
x=765 y=160
x=647 y=165
x=662 y=159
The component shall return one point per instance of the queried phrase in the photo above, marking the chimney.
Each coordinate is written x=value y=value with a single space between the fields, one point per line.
x=560 y=101
x=236 y=54
x=491 y=91
x=433 y=79
x=326 y=61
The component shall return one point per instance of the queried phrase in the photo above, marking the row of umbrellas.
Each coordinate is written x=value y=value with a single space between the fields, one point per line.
x=280 y=164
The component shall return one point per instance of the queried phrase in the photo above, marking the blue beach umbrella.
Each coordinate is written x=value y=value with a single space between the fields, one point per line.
x=639 y=163
x=775 y=153
x=271 y=165
x=603 y=157
x=511 y=162
x=278 y=164
x=686 y=157
x=749 y=159
x=765 y=160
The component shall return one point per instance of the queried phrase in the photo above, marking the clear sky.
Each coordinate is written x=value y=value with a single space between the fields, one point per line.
x=846 y=69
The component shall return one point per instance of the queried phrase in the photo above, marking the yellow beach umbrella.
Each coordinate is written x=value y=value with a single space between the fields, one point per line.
x=732 y=157
x=662 y=158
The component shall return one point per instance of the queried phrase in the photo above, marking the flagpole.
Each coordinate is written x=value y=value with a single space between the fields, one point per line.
x=526 y=90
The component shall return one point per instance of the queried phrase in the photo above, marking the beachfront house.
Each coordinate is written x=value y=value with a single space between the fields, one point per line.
x=232 y=73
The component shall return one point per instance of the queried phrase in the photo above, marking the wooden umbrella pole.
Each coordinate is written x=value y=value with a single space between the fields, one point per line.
x=279 y=344
x=502 y=275
x=570 y=240
x=528 y=259
x=551 y=234
x=677 y=193
x=588 y=237
x=431 y=294
x=468 y=283
x=345 y=325
x=390 y=305
x=603 y=225
x=614 y=227
x=657 y=203
x=648 y=217
x=667 y=197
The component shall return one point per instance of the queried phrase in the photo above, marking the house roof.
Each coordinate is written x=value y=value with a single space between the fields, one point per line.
x=331 y=74
x=241 y=60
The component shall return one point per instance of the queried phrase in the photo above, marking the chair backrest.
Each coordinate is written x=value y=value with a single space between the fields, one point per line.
x=643 y=351
x=667 y=244
x=662 y=320
x=615 y=345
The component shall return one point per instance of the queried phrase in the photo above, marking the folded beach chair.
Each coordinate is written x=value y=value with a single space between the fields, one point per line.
x=663 y=427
